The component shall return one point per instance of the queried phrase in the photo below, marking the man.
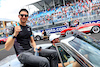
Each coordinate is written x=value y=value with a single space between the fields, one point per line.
x=76 y=23
x=66 y=24
x=71 y=62
x=44 y=35
x=21 y=38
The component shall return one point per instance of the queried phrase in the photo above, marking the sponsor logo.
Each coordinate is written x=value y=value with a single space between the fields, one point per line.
x=54 y=30
x=28 y=29
x=97 y=21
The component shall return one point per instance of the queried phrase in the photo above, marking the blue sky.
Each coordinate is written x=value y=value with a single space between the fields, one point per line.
x=0 y=3
x=9 y=8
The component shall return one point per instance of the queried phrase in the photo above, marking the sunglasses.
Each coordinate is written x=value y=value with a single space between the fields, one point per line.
x=23 y=15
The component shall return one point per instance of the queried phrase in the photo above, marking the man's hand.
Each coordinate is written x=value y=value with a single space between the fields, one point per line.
x=39 y=49
x=17 y=30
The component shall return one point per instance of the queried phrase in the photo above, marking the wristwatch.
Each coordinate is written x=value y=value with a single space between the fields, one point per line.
x=13 y=36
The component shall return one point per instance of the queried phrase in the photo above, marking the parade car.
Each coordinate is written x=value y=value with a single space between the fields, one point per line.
x=37 y=35
x=3 y=39
x=86 y=28
x=84 y=53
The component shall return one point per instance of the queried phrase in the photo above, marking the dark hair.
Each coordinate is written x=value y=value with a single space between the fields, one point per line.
x=51 y=41
x=23 y=10
x=44 y=30
x=78 y=23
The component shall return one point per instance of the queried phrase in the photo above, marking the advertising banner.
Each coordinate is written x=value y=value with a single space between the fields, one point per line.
x=58 y=29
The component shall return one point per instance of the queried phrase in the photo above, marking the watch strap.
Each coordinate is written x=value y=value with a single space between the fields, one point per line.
x=13 y=36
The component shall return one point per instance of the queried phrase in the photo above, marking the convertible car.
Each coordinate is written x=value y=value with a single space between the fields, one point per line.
x=83 y=51
x=86 y=28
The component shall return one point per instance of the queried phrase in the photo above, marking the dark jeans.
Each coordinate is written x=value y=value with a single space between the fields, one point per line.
x=46 y=58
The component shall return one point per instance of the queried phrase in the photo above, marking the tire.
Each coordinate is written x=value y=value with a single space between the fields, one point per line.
x=38 y=38
x=95 y=29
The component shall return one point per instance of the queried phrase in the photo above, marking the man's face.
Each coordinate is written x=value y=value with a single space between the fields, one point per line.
x=56 y=40
x=23 y=16
x=75 y=22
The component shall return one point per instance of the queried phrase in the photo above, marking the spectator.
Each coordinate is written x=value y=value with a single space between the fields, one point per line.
x=73 y=10
x=44 y=35
x=66 y=24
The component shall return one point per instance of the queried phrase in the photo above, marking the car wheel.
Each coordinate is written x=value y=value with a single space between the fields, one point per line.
x=67 y=32
x=38 y=38
x=2 y=42
x=95 y=29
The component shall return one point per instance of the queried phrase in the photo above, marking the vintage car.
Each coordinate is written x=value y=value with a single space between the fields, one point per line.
x=84 y=52
x=37 y=35
x=86 y=28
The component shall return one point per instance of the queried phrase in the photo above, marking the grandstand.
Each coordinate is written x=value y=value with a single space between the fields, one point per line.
x=57 y=12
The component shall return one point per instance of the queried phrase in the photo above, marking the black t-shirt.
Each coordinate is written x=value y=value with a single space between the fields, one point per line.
x=45 y=34
x=22 y=41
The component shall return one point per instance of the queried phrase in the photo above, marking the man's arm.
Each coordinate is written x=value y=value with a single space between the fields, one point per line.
x=9 y=43
x=33 y=42
x=65 y=64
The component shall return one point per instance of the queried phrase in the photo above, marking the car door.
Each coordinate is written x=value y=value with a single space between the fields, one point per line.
x=72 y=53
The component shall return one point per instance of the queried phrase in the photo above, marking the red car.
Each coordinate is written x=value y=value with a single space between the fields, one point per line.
x=3 y=40
x=86 y=28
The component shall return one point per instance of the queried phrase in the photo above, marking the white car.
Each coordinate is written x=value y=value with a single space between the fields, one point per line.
x=37 y=35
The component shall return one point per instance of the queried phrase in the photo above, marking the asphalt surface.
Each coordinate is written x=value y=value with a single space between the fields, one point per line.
x=4 y=53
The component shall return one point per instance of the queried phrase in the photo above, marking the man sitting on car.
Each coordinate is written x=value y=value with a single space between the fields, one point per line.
x=74 y=24
x=70 y=62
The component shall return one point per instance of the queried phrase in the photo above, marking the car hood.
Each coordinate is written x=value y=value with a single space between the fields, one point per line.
x=44 y=45
x=35 y=34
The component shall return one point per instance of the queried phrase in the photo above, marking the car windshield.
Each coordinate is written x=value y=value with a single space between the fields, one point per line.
x=88 y=39
x=85 y=48
x=91 y=40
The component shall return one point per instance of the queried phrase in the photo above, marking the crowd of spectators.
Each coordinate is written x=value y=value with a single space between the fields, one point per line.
x=67 y=12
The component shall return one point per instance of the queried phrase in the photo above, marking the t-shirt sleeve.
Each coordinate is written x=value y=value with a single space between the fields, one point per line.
x=31 y=31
